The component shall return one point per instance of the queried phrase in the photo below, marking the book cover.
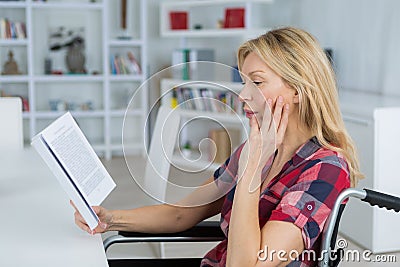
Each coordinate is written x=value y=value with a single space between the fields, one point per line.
x=234 y=17
x=3 y=28
x=112 y=65
x=134 y=66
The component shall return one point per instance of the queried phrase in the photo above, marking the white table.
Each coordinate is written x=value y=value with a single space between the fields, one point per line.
x=36 y=222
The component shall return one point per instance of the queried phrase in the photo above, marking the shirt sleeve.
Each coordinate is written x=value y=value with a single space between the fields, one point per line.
x=309 y=202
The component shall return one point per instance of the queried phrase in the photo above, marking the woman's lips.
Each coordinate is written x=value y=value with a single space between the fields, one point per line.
x=249 y=113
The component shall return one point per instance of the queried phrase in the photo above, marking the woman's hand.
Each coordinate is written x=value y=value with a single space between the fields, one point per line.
x=263 y=141
x=104 y=215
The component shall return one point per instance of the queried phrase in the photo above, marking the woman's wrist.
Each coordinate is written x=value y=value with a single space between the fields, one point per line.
x=250 y=175
x=250 y=169
x=114 y=220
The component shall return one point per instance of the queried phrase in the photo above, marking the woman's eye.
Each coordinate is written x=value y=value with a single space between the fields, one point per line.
x=256 y=83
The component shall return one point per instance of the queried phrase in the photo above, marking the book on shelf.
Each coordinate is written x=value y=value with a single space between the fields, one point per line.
x=116 y=64
x=133 y=65
x=124 y=64
x=113 y=65
x=195 y=69
x=70 y=157
x=234 y=17
x=207 y=99
x=12 y=30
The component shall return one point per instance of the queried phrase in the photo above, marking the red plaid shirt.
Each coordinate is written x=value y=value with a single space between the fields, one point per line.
x=303 y=193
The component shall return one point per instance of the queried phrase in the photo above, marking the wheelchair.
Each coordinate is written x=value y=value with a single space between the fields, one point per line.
x=207 y=231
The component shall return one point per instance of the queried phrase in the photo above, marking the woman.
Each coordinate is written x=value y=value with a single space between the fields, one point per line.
x=288 y=174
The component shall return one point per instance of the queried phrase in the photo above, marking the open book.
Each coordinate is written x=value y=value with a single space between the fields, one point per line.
x=67 y=152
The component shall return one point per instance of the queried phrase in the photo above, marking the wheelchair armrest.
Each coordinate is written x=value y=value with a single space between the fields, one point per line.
x=382 y=200
x=205 y=231
x=372 y=197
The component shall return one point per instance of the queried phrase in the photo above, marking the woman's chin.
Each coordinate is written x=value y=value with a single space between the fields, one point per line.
x=254 y=119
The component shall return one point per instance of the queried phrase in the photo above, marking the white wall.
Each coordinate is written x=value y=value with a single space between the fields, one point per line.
x=365 y=36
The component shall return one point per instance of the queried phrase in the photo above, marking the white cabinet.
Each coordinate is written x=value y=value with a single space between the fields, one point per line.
x=97 y=99
x=374 y=124
x=207 y=13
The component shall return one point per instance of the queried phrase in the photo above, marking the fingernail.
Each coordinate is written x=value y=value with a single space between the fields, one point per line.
x=103 y=225
x=280 y=99
x=269 y=101
x=287 y=106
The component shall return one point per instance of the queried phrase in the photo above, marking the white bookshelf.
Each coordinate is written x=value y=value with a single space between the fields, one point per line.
x=215 y=11
x=13 y=42
x=14 y=78
x=108 y=93
x=12 y=4
x=78 y=5
x=207 y=120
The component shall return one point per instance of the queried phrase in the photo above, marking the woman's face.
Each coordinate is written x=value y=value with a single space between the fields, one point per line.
x=260 y=84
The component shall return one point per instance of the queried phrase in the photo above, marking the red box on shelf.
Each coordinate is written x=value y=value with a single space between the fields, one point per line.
x=178 y=20
x=234 y=17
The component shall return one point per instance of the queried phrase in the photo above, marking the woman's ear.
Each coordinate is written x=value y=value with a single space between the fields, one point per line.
x=296 y=98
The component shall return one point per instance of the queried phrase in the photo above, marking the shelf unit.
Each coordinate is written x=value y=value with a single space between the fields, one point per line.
x=203 y=122
x=107 y=93
x=215 y=11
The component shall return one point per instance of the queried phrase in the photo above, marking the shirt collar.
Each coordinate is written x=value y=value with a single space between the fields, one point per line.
x=306 y=150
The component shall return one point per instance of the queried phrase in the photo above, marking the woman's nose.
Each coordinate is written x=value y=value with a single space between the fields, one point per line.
x=245 y=94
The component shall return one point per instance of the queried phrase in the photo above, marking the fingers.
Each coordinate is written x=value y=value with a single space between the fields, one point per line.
x=278 y=111
x=283 y=123
x=254 y=125
x=80 y=222
x=280 y=114
x=101 y=227
x=102 y=214
x=267 y=116
x=73 y=205
x=275 y=122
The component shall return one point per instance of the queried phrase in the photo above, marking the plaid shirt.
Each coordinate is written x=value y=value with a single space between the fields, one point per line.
x=303 y=193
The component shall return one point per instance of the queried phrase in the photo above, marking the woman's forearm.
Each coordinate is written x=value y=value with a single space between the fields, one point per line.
x=148 y=219
x=165 y=218
x=244 y=231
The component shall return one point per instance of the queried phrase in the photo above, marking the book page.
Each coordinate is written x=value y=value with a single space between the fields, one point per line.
x=65 y=181
x=78 y=158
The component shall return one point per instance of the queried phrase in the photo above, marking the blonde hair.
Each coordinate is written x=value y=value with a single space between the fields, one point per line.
x=296 y=56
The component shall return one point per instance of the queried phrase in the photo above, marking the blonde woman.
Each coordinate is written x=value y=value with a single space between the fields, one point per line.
x=285 y=177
